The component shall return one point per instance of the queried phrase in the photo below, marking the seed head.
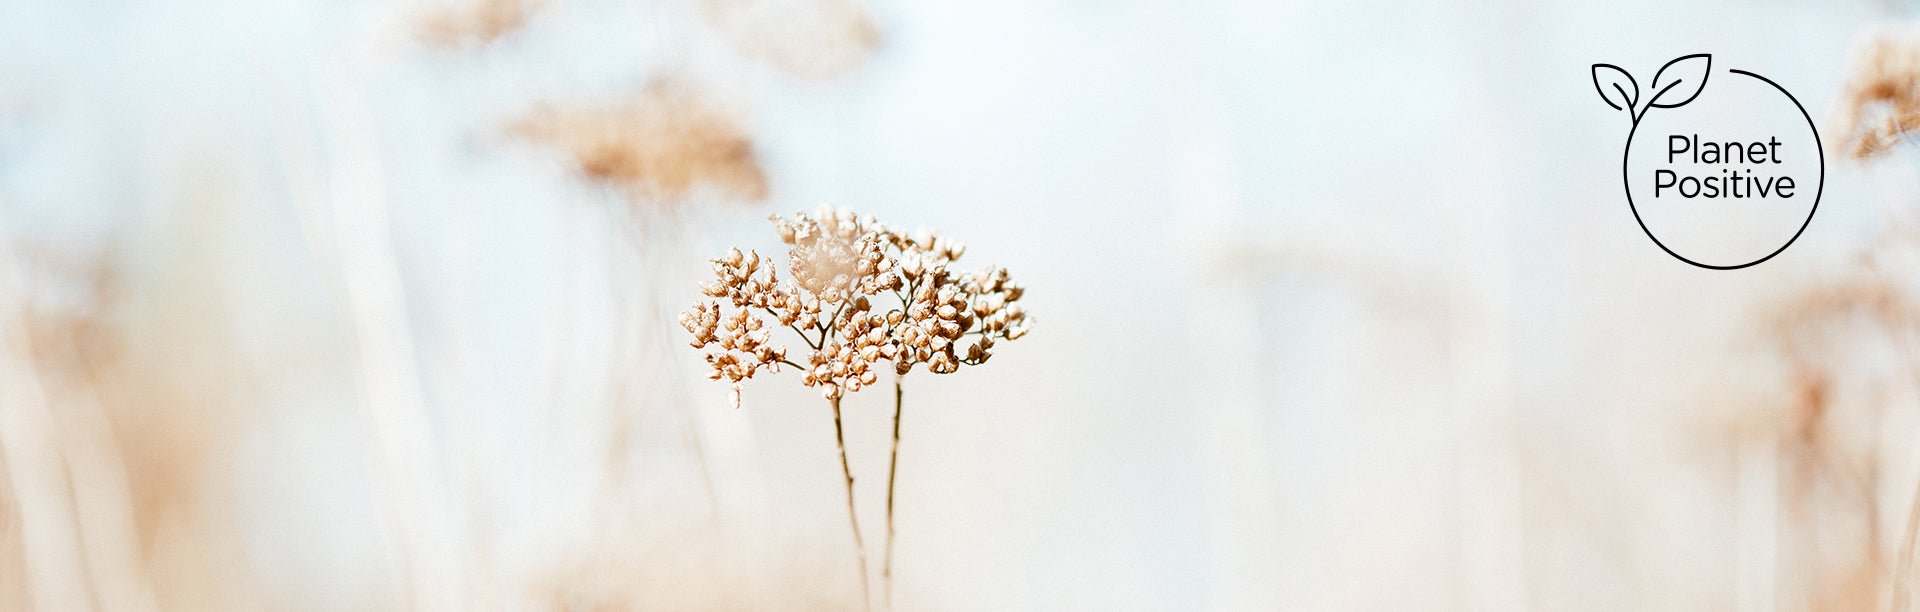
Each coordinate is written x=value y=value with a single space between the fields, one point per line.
x=843 y=267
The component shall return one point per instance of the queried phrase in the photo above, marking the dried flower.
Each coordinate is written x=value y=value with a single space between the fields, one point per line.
x=473 y=25
x=1881 y=102
x=813 y=39
x=664 y=144
x=842 y=266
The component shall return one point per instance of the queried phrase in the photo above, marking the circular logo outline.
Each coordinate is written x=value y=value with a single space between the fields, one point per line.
x=1627 y=154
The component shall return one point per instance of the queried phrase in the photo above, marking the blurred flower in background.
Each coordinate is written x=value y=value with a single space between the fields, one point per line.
x=661 y=145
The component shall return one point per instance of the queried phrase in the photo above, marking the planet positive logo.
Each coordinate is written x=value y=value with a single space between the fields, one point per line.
x=1721 y=178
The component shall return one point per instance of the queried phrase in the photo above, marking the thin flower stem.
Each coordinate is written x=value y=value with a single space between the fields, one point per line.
x=859 y=546
x=893 y=468
x=803 y=335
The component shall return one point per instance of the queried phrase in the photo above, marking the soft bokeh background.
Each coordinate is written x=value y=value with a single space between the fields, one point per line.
x=1339 y=308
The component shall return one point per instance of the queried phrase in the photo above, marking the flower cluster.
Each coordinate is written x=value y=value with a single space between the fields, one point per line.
x=843 y=267
x=941 y=307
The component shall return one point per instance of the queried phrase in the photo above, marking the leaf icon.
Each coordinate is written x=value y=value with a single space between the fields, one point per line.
x=1681 y=80
x=1616 y=86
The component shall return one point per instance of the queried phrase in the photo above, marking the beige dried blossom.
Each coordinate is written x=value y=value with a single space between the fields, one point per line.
x=941 y=308
x=474 y=24
x=1880 y=105
x=815 y=39
x=664 y=144
x=842 y=266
